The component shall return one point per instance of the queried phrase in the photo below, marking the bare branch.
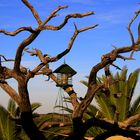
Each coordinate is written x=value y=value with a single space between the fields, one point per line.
x=20 y=49
x=76 y=15
x=59 y=56
x=125 y=58
x=34 y=12
x=5 y=59
x=32 y=53
x=87 y=28
x=17 y=31
x=93 y=86
x=45 y=60
x=138 y=40
x=11 y=92
x=132 y=120
x=130 y=24
x=79 y=110
x=117 y=67
x=28 y=40
x=53 y=14
x=34 y=71
x=111 y=126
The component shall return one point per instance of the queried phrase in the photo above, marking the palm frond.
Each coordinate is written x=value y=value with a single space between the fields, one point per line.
x=133 y=79
x=63 y=108
x=85 y=83
x=56 y=133
x=123 y=74
x=41 y=120
x=134 y=109
x=137 y=111
x=35 y=106
x=8 y=128
x=92 y=110
x=11 y=107
x=123 y=103
x=104 y=106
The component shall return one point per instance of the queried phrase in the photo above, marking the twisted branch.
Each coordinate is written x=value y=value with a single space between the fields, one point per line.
x=47 y=60
x=17 y=31
x=59 y=56
x=34 y=12
x=76 y=15
x=53 y=14
x=93 y=86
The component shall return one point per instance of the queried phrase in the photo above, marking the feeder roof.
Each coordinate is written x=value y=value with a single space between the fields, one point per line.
x=65 y=69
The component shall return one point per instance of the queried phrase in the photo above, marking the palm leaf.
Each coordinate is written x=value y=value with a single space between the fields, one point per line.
x=123 y=103
x=64 y=108
x=39 y=121
x=134 y=109
x=8 y=128
x=11 y=107
x=35 y=106
x=123 y=74
x=133 y=79
x=56 y=132
x=104 y=106
x=137 y=111
x=92 y=110
x=84 y=82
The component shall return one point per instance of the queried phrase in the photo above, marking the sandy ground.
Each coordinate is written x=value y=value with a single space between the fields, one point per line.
x=118 y=138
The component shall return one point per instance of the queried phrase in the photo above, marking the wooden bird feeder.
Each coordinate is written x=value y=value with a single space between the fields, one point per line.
x=64 y=75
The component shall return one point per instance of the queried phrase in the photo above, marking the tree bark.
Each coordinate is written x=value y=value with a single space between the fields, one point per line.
x=30 y=128
x=26 y=113
x=79 y=130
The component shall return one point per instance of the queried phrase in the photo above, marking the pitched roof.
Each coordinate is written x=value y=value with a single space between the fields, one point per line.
x=66 y=69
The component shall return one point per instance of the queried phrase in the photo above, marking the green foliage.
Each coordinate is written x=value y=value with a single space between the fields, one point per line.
x=135 y=107
x=8 y=128
x=119 y=101
x=35 y=106
x=104 y=106
x=11 y=107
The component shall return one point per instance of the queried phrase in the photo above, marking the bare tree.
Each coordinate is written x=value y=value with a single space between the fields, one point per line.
x=22 y=75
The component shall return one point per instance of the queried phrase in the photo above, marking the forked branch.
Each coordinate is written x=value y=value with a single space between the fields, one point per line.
x=52 y=15
x=76 y=15
x=34 y=12
x=107 y=59
x=45 y=60
x=59 y=56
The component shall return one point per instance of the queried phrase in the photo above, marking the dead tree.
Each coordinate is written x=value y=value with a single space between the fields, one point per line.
x=23 y=75
x=123 y=128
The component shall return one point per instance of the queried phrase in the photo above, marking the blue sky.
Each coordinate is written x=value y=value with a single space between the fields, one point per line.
x=112 y=16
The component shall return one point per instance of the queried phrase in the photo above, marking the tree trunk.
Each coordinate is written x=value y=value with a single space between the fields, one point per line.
x=26 y=113
x=30 y=128
x=78 y=130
